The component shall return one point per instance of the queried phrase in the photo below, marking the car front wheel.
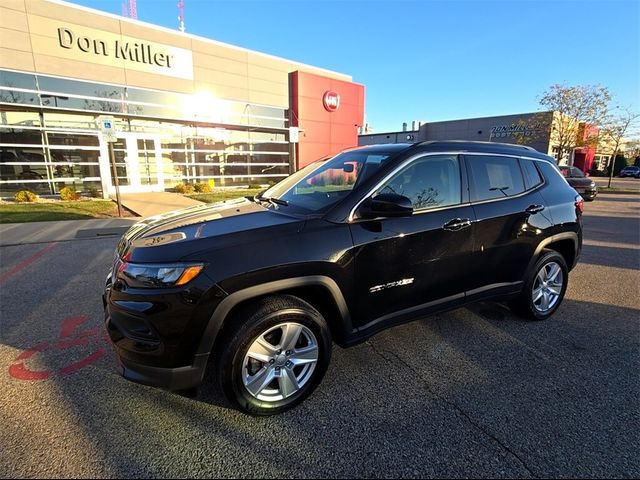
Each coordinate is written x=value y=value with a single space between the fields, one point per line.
x=274 y=355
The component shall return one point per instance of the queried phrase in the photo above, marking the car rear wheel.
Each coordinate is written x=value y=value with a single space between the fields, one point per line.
x=274 y=355
x=544 y=287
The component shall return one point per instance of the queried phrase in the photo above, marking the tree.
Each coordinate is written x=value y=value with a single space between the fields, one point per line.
x=632 y=150
x=575 y=107
x=615 y=129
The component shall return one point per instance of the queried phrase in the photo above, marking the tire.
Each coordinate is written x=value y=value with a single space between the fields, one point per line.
x=551 y=292
x=267 y=386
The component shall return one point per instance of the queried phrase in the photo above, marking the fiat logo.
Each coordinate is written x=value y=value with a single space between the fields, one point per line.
x=331 y=101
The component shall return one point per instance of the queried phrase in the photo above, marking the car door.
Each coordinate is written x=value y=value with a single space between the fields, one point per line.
x=510 y=218
x=421 y=260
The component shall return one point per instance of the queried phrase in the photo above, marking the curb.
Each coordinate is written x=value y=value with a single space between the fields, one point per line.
x=602 y=190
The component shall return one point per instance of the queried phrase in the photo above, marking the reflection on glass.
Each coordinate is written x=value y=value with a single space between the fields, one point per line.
x=70 y=120
x=19 y=119
x=75 y=139
x=19 y=135
x=76 y=87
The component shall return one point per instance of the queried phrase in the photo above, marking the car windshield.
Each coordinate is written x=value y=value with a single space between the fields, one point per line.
x=320 y=185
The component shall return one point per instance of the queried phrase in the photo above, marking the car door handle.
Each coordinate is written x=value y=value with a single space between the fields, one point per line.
x=534 y=209
x=457 y=224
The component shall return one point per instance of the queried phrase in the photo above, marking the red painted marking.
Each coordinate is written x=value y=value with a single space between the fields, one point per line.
x=32 y=351
x=20 y=372
x=70 y=324
x=25 y=263
x=74 y=367
x=69 y=337
x=73 y=342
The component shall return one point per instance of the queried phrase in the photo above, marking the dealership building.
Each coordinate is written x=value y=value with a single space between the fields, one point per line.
x=537 y=130
x=184 y=108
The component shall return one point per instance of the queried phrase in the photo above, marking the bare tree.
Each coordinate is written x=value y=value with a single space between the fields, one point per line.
x=614 y=131
x=576 y=107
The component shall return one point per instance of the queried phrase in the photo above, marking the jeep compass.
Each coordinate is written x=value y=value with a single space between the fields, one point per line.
x=260 y=288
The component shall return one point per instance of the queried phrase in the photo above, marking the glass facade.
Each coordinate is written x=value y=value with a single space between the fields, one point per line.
x=49 y=138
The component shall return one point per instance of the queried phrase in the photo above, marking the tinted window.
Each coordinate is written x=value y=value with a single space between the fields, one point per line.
x=494 y=177
x=429 y=182
x=19 y=80
x=532 y=177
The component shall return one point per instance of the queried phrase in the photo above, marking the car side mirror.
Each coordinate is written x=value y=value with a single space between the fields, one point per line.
x=387 y=205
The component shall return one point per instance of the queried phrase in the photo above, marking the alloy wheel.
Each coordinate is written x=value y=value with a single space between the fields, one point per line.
x=547 y=287
x=280 y=362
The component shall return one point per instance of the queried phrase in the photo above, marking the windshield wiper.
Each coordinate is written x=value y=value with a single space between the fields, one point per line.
x=272 y=200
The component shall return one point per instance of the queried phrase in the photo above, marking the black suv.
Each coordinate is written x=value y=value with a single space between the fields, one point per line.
x=371 y=238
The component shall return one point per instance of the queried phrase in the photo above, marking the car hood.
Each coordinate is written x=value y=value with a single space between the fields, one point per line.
x=175 y=235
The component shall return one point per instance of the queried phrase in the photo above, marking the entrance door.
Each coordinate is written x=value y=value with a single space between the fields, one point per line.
x=138 y=164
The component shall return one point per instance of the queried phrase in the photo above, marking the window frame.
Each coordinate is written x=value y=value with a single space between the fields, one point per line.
x=518 y=157
x=463 y=157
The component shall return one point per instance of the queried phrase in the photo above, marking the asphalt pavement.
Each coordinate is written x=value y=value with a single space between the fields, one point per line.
x=475 y=392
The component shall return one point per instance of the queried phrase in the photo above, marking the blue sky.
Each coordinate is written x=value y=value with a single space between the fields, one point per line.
x=431 y=60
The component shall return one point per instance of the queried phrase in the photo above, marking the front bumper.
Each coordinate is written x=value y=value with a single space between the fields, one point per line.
x=178 y=378
x=157 y=334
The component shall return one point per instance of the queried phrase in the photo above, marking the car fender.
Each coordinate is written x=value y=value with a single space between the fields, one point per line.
x=216 y=322
x=554 y=238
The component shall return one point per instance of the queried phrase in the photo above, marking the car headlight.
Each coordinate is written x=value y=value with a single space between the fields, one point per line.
x=140 y=275
x=593 y=184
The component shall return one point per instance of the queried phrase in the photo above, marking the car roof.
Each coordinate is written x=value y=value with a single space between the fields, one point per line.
x=459 y=146
x=486 y=147
x=388 y=148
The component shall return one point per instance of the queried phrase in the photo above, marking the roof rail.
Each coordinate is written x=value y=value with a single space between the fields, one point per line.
x=501 y=144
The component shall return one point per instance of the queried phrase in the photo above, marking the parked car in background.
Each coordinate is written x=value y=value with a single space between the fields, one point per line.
x=580 y=182
x=372 y=238
x=630 y=171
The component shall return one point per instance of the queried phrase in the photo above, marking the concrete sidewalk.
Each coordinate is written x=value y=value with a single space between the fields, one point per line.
x=153 y=203
x=44 y=232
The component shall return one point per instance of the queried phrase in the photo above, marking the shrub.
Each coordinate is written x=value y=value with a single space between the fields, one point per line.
x=202 y=188
x=25 y=196
x=93 y=192
x=69 y=193
x=254 y=185
x=184 y=188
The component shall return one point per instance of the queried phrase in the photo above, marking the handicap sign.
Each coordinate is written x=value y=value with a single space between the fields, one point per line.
x=106 y=125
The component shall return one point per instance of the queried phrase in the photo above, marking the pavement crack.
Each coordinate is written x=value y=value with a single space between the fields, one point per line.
x=455 y=406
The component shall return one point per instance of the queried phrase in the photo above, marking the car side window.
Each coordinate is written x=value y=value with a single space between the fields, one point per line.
x=532 y=176
x=429 y=182
x=494 y=177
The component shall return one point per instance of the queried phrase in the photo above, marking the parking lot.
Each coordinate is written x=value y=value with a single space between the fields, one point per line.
x=475 y=392
x=627 y=183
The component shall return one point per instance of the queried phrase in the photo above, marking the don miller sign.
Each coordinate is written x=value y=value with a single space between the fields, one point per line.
x=138 y=54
